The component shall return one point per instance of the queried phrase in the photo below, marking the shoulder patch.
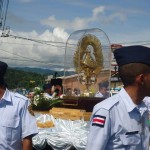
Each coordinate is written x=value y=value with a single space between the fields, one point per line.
x=107 y=103
x=98 y=120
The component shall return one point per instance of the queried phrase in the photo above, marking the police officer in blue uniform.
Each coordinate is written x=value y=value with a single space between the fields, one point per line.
x=121 y=122
x=17 y=123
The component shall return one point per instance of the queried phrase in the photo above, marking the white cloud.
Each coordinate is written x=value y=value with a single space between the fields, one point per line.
x=59 y=33
x=99 y=14
x=98 y=10
x=52 y=53
x=118 y=15
x=77 y=23
x=21 y=52
x=112 y=17
x=127 y=38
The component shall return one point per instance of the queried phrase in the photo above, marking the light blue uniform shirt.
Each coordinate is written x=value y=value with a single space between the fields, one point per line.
x=118 y=124
x=16 y=122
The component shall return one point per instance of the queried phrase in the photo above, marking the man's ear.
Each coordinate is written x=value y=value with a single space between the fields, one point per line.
x=140 y=79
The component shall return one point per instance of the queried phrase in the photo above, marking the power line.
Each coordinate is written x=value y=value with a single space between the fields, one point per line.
x=45 y=63
x=27 y=57
x=38 y=41
x=51 y=43
x=63 y=44
x=3 y=13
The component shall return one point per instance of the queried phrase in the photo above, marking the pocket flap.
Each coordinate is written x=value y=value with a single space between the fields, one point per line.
x=130 y=139
x=11 y=123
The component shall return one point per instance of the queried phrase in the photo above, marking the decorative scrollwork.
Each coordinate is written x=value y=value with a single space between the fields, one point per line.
x=88 y=59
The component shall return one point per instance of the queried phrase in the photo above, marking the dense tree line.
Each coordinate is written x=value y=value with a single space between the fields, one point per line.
x=22 y=79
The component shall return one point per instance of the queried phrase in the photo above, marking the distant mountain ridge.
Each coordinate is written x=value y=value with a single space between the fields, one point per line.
x=23 y=79
x=43 y=71
x=17 y=77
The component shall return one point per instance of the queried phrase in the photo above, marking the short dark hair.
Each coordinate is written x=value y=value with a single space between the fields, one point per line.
x=3 y=83
x=129 y=72
x=103 y=84
x=46 y=86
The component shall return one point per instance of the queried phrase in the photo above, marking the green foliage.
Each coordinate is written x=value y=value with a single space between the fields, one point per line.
x=45 y=104
x=21 y=79
x=41 y=102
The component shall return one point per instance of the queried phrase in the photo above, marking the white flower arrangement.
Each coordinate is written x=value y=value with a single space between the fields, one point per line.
x=42 y=102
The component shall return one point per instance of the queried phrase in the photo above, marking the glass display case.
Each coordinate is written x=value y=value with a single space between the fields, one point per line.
x=87 y=63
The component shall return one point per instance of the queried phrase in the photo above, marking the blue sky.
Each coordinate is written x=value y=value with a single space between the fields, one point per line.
x=117 y=17
x=124 y=21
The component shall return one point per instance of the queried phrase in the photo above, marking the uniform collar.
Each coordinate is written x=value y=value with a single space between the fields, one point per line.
x=129 y=103
x=127 y=100
x=147 y=102
x=7 y=96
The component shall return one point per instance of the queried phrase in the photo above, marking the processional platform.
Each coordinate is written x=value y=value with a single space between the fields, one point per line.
x=84 y=103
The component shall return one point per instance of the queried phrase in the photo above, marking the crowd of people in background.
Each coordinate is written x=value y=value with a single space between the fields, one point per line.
x=48 y=91
x=57 y=91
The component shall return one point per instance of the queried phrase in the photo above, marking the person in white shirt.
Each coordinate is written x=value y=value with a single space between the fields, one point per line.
x=47 y=88
x=103 y=90
x=121 y=122
x=18 y=123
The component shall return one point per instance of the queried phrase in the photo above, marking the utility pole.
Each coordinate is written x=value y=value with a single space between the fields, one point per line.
x=3 y=14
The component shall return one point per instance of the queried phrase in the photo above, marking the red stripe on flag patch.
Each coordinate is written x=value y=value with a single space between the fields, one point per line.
x=98 y=121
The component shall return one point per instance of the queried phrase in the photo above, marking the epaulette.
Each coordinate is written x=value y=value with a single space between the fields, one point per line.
x=107 y=103
x=20 y=96
x=25 y=98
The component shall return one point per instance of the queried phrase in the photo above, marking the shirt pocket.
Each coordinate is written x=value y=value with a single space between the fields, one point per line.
x=12 y=130
x=131 y=139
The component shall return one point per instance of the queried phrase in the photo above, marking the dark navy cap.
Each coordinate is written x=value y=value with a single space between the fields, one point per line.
x=47 y=86
x=3 y=68
x=132 y=54
x=57 y=81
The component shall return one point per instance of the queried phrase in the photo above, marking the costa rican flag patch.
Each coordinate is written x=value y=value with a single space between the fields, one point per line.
x=98 y=120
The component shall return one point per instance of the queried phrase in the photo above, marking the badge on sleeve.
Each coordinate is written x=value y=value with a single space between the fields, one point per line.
x=98 y=120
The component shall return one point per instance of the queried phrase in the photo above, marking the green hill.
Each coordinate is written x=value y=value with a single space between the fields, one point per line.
x=23 y=79
x=29 y=77
x=36 y=70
